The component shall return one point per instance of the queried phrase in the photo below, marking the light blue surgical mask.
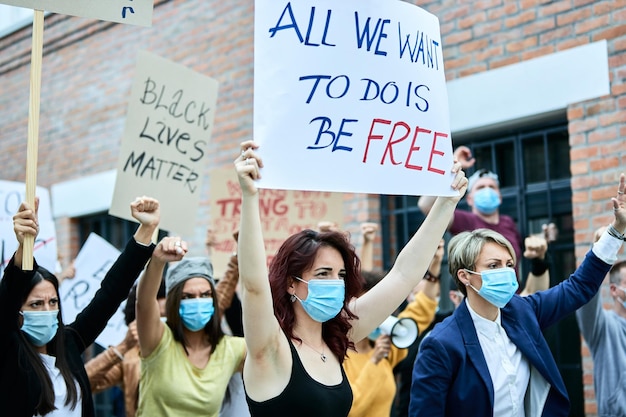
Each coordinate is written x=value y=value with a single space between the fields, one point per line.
x=499 y=285
x=196 y=312
x=486 y=200
x=40 y=327
x=325 y=299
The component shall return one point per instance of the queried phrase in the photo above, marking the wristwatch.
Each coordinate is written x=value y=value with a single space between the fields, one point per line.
x=430 y=277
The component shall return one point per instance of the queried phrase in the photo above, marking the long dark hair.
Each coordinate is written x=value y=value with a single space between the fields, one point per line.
x=295 y=256
x=213 y=328
x=56 y=347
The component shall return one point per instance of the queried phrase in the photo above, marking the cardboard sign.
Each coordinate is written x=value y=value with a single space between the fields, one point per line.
x=164 y=148
x=283 y=213
x=351 y=96
x=131 y=12
x=92 y=263
x=12 y=194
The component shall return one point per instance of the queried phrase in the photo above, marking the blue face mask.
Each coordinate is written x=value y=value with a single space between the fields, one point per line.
x=196 y=312
x=40 y=327
x=499 y=285
x=325 y=299
x=486 y=200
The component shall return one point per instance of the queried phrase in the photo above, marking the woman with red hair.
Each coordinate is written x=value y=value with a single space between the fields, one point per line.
x=299 y=323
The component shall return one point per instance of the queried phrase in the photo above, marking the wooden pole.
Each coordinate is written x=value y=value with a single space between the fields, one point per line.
x=33 y=129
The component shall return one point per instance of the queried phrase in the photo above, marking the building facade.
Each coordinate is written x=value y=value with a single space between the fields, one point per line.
x=537 y=89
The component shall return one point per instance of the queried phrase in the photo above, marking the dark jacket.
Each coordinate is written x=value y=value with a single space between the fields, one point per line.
x=19 y=388
x=451 y=371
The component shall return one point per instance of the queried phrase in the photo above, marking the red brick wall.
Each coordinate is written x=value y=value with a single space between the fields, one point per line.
x=88 y=68
x=486 y=34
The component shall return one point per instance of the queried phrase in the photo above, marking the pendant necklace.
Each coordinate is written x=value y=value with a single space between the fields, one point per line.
x=322 y=355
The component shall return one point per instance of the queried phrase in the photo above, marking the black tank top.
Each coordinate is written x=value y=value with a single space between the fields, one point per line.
x=305 y=397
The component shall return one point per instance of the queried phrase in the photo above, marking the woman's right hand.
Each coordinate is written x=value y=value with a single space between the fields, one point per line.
x=25 y=221
x=619 y=205
x=382 y=347
x=248 y=165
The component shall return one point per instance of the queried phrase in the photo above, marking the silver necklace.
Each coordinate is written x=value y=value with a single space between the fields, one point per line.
x=322 y=355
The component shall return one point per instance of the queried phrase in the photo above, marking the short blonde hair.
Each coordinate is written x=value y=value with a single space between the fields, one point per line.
x=464 y=249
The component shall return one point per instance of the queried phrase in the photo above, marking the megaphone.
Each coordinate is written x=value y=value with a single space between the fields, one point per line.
x=403 y=332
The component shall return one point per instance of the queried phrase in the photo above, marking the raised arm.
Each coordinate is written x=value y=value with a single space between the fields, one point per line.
x=15 y=280
x=261 y=329
x=368 y=231
x=410 y=265
x=591 y=317
x=149 y=324
x=122 y=275
x=424 y=305
x=539 y=276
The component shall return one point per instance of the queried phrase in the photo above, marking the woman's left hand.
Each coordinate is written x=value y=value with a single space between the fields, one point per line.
x=170 y=249
x=459 y=182
x=248 y=165
x=25 y=221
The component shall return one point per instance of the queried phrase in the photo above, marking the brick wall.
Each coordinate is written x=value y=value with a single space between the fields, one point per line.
x=88 y=68
x=487 y=34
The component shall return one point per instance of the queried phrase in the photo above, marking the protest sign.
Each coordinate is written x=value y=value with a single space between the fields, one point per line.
x=110 y=10
x=164 y=147
x=45 y=246
x=92 y=263
x=132 y=12
x=283 y=213
x=351 y=96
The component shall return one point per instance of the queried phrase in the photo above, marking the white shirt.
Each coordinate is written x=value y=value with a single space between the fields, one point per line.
x=509 y=370
x=60 y=391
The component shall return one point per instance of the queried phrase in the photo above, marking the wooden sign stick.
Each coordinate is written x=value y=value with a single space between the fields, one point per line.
x=33 y=129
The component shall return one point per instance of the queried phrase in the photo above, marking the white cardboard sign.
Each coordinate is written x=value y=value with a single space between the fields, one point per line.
x=92 y=263
x=12 y=194
x=350 y=96
x=165 y=144
x=131 y=12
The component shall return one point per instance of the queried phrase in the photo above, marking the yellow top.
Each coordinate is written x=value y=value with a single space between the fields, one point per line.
x=172 y=386
x=374 y=386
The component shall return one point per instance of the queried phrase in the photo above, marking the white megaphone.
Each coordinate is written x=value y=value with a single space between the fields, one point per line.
x=403 y=332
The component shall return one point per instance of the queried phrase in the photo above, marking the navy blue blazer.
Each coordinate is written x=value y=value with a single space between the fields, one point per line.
x=451 y=374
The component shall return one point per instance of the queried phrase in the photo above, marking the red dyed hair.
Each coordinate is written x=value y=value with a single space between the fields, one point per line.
x=295 y=256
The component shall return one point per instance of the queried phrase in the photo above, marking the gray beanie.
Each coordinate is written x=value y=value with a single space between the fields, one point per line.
x=194 y=267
